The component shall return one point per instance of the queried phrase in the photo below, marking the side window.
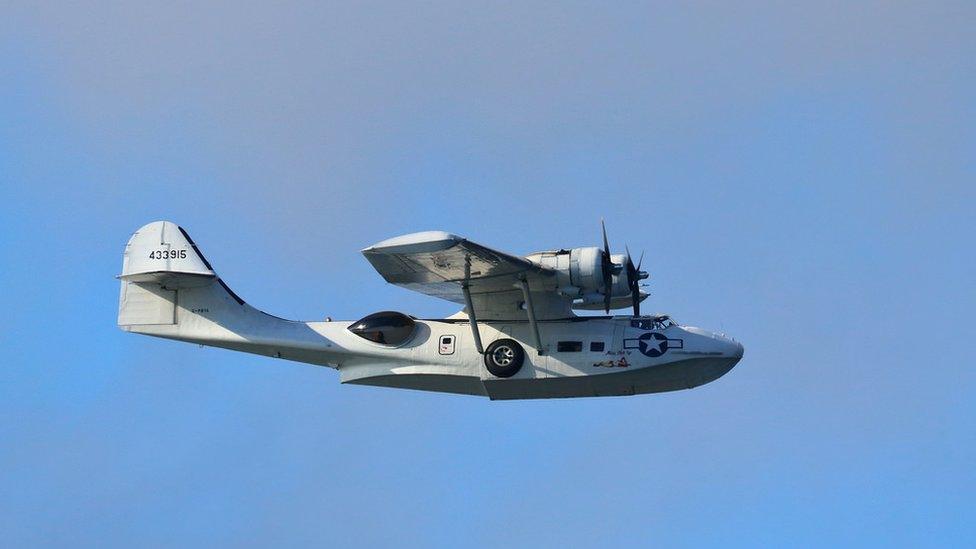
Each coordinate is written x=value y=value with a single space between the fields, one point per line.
x=445 y=345
x=596 y=346
x=569 y=346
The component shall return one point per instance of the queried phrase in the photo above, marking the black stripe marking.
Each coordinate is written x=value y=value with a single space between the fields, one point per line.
x=203 y=258
x=229 y=291
x=195 y=249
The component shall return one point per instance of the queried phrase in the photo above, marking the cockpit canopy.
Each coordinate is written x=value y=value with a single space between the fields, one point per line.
x=386 y=327
x=658 y=322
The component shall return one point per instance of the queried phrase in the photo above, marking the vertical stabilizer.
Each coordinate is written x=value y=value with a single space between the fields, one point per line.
x=160 y=259
x=170 y=290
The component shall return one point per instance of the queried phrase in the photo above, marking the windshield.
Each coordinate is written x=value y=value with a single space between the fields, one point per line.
x=653 y=322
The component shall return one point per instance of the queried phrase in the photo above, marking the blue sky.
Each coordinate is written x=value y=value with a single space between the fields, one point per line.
x=800 y=177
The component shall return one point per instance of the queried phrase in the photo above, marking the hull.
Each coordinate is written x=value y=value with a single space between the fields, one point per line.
x=619 y=369
x=675 y=376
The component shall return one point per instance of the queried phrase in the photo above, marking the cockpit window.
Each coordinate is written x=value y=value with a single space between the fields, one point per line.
x=387 y=327
x=653 y=322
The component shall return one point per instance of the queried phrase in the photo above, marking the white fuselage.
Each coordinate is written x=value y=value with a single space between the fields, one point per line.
x=572 y=363
x=595 y=356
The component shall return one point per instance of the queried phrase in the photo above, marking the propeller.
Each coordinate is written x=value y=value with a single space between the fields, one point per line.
x=634 y=276
x=609 y=269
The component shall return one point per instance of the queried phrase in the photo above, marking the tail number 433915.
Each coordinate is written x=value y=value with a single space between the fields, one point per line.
x=167 y=254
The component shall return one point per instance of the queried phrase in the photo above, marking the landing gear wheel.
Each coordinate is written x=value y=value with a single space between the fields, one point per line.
x=504 y=357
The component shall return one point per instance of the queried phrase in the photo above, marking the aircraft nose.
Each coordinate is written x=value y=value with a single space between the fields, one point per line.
x=732 y=348
x=738 y=350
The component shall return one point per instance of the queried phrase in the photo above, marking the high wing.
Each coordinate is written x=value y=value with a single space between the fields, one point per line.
x=444 y=265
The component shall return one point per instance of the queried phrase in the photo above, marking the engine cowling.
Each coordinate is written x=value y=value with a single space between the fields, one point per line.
x=582 y=274
x=579 y=271
x=586 y=269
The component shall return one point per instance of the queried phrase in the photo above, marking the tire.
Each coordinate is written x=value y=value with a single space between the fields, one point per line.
x=504 y=357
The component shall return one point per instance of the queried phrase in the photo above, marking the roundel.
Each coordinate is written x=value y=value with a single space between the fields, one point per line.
x=652 y=344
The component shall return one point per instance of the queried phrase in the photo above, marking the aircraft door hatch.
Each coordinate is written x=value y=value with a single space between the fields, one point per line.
x=447 y=344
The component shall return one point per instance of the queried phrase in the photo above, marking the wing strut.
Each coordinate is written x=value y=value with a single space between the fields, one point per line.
x=527 y=295
x=472 y=318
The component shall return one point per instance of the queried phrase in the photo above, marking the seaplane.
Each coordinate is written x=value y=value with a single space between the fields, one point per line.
x=516 y=337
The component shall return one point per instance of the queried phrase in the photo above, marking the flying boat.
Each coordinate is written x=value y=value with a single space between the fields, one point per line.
x=517 y=335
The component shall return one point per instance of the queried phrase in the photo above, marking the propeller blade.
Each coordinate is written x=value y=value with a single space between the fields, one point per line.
x=634 y=276
x=633 y=282
x=608 y=268
x=607 y=283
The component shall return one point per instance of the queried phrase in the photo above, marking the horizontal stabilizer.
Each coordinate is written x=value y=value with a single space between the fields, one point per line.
x=171 y=279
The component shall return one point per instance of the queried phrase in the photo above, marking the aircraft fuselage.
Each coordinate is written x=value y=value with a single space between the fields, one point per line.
x=585 y=356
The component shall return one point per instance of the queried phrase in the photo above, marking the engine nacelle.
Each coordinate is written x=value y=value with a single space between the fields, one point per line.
x=586 y=269
x=580 y=275
x=579 y=271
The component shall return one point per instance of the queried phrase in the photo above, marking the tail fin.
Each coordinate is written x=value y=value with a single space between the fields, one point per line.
x=160 y=263
x=170 y=290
